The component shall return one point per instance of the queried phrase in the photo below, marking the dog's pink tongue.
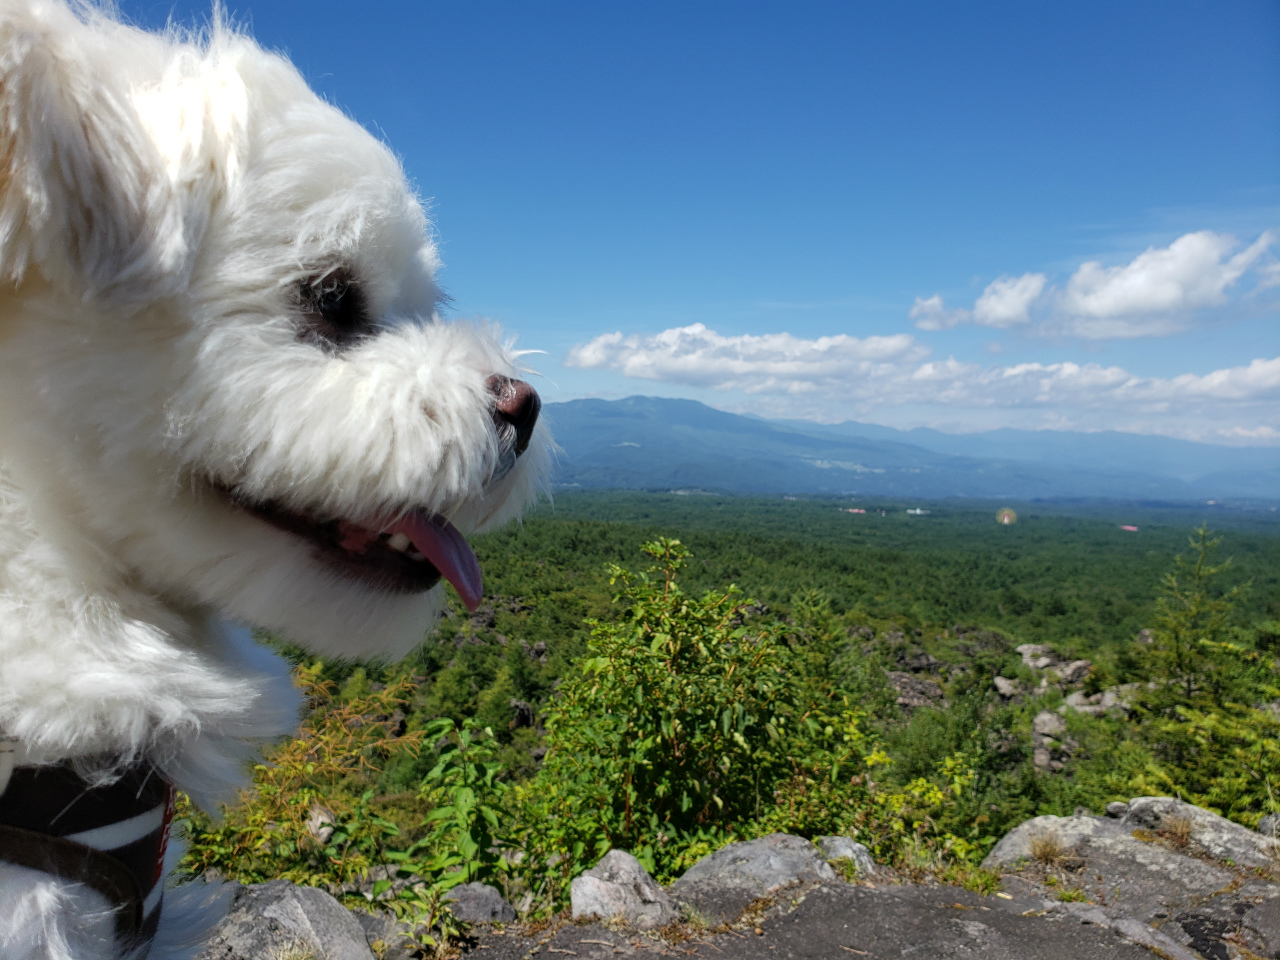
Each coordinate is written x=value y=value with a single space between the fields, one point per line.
x=440 y=542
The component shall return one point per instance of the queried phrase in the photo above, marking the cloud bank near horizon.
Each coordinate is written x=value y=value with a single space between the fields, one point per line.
x=844 y=377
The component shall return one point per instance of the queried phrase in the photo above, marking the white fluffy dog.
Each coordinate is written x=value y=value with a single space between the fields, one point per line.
x=226 y=396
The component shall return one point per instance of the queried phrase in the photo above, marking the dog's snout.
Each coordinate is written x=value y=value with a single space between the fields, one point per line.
x=518 y=404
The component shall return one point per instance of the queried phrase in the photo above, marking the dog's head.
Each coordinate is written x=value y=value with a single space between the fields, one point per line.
x=223 y=376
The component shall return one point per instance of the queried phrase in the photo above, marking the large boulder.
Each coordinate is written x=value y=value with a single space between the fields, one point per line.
x=720 y=886
x=270 y=920
x=619 y=886
x=479 y=903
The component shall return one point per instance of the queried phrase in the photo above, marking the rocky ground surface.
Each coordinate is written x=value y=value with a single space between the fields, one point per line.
x=1153 y=877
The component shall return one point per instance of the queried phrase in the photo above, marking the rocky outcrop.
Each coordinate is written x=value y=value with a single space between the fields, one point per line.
x=1113 y=700
x=1043 y=658
x=1037 y=656
x=618 y=886
x=1156 y=863
x=720 y=886
x=277 y=919
x=1074 y=672
x=1052 y=746
x=915 y=692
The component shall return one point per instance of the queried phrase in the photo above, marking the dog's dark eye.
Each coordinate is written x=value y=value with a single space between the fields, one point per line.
x=336 y=309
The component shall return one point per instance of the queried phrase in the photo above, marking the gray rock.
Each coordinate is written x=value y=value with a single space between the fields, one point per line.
x=271 y=919
x=1048 y=724
x=845 y=848
x=619 y=886
x=1118 y=697
x=388 y=937
x=1078 y=698
x=1031 y=652
x=1215 y=835
x=479 y=903
x=1075 y=671
x=1116 y=809
x=1263 y=922
x=1005 y=687
x=719 y=886
x=1043 y=759
x=1269 y=826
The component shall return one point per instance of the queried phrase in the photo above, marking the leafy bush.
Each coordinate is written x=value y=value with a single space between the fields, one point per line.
x=690 y=724
x=312 y=817
x=321 y=776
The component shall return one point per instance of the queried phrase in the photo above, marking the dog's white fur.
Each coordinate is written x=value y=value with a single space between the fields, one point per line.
x=162 y=200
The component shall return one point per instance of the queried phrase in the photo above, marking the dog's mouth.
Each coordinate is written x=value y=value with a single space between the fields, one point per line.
x=408 y=554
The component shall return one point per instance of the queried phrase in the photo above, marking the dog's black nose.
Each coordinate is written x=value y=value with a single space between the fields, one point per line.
x=517 y=404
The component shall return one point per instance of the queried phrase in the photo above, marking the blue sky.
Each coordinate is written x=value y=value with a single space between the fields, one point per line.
x=873 y=211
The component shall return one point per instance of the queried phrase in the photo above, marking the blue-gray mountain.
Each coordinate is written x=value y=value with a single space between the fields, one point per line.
x=654 y=443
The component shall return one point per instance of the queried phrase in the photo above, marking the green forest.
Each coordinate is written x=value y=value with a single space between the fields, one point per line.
x=665 y=673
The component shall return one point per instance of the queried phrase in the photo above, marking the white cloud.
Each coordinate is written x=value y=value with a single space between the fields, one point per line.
x=843 y=377
x=697 y=356
x=932 y=314
x=1007 y=300
x=1152 y=294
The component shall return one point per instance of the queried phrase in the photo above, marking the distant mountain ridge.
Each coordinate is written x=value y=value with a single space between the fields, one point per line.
x=657 y=443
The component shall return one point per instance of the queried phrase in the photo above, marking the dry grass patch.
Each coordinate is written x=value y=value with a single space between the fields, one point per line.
x=1177 y=830
x=1047 y=849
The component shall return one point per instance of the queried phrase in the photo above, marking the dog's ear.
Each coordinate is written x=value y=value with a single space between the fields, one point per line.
x=88 y=196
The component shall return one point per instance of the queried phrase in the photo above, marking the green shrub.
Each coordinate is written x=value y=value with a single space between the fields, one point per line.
x=690 y=724
x=324 y=773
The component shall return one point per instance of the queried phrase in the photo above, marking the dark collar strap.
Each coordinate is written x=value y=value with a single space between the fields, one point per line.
x=111 y=837
x=80 y=864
